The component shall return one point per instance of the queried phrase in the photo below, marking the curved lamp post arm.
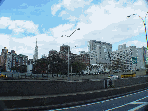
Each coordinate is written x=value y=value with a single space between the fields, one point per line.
x=74 y=32
x=68 y=53
x=144 y=23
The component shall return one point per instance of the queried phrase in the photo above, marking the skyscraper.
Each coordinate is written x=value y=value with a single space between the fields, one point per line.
x=35 y=56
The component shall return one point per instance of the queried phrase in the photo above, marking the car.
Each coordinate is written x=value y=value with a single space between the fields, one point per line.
x=2 y=76
x=110 y=75
x=113 y=77
x=137 y=70
x=116 y=71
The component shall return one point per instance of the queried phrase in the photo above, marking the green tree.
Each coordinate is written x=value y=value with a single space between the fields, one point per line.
x=57 y=65
x=40 y=66
x=78 y=66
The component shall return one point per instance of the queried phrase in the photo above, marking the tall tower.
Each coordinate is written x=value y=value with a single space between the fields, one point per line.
x=35 y=56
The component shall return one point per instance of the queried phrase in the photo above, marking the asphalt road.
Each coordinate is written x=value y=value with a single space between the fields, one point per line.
x=135 y=101
x=74 y=77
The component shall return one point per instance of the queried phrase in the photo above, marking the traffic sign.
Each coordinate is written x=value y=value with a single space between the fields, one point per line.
x=134 y=60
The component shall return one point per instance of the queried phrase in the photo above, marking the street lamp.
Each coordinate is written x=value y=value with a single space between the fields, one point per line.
x=68 y=51
x=71 y=64
x=144 y=23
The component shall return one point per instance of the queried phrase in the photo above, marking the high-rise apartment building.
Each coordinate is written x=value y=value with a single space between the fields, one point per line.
x=99 y=52
x=11 y=60
x=63 y=53
x=22 y=60
x=4 y=58
x=8 y=62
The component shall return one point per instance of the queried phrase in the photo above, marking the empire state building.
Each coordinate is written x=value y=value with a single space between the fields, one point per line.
x=35 y=56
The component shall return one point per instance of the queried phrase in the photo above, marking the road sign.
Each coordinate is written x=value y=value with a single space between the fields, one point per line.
x=134 y=60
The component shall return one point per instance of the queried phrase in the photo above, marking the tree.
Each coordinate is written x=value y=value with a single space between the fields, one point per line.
x=40 y=66
x=78 y=66
x=57 y=65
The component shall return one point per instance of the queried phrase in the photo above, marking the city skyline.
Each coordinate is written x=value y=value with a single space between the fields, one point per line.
x=24 y=21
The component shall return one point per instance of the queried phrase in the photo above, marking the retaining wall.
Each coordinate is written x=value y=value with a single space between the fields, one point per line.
x=57 y=101
x=45 y=87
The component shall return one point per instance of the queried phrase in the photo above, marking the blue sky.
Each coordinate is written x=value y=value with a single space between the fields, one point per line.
x=22 y=21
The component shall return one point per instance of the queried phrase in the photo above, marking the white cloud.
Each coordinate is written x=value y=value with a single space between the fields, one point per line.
x=63 y=13
x=72 y=18
x=4 y=22
x=61 y=30
x=27 y=44
x=55 y=8
x=70 y=5
x=136 y=43
x=18 y=25
x=106 y=22
x=5 y=40
x=138 y=3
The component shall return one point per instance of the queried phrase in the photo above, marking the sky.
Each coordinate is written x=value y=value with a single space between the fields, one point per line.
x=22 y=21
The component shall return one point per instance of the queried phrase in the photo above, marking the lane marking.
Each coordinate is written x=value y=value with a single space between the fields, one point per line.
x=106 y=101
x=134 y=102
x=140 y=106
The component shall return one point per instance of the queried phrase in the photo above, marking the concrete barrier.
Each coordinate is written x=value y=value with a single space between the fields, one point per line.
x=57 y=100
x=46 y=87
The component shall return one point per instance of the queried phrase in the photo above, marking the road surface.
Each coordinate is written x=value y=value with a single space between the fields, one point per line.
x=135 y=101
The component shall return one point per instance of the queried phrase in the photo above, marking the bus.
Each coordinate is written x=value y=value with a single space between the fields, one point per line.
x=128 y=75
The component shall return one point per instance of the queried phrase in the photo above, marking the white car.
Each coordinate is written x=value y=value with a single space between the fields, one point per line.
x=113 y=77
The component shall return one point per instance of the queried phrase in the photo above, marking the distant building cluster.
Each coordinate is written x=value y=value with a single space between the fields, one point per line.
x=10 y=60
x=99 y=53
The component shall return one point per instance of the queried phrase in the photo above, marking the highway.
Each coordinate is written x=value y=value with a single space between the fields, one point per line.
x=135 y=101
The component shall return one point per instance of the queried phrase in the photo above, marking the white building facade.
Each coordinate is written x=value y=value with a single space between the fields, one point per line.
x=8 y=62
x=30 y=66
x=125 y=54
x=99 y=52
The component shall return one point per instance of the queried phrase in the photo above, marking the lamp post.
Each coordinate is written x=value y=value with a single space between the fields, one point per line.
x=68 y=51
x=144 y=23
x=71 y=66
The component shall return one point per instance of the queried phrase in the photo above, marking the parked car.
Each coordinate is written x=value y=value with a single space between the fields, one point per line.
x=113 y=77
x=110 y=75
x=115 y=71
x=2 y=76
x=137 y=70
